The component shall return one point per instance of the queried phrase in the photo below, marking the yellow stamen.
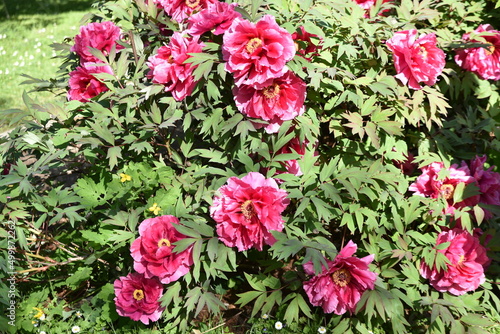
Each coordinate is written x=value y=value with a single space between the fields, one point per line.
x=447 y=191
x=341 y=277
x=248 y=210
x=163 y=242
x=138 y=294
x=271 y=91
x=192 y=3
x=253 y=44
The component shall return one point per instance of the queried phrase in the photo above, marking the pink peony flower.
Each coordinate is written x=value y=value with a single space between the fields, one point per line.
x=429 y=185
x=468 y=259
x=83 y=85
x=217 y=17
x=488 y=183
x=368 y=4
x=247 y=210
x=293 y=146
x=180 y=10
x=304 y=45
x=167 y=67
x=153 y=251
x=98 y=35
x=138 y=297
x=276 y=100
x=416 y=60
x=257 y=52
x=483 y=61
x=339 y=287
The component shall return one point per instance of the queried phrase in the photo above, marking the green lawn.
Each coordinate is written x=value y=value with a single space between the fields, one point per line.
x=27 y=28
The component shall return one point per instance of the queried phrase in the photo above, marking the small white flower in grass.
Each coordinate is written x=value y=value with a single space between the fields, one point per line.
x=14 y=54
x=278 y=325
x=265 y=316
x=75 y=329
x=322 y=330
x=6 y=71
x=43 y=332
x=78 y=314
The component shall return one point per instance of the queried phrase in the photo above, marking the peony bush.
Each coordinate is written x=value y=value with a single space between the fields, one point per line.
x=260 y=166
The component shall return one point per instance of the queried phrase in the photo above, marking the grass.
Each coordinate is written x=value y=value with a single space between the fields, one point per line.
x=27 y=28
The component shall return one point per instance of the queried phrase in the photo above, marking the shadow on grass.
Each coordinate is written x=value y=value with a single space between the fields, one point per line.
x=9 y=9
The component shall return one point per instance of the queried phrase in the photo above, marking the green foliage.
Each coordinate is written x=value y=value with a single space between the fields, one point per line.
x=85 y=175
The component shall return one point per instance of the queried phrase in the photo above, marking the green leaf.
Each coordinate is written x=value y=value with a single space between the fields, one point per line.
x=82 y=274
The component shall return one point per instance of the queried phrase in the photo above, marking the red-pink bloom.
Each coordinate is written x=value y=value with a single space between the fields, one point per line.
x=408 y=165
x=304 y=44
x=257 y=52
x=483 y=61
x=153 y=252
x=138 y=297
x=83 y=85
x=488 y=183
x=416 y=60
x=468 y=259
x=430 y=185
x=339 y=287
x=217 y=17
x=276 y=100
x=368 y=4
x=98 y=35
x=6 y=168
x=180 y=10
x=293 y=146
x=247 y=210
x=167 y=67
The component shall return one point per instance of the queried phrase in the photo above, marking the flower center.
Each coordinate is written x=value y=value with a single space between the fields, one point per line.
x=460 y=261
x=163 y=242
x=138 y=294
x=248 y=210
x=272 y=91
x=490 y=49
x=423 y=52
x=341 y=277
x=253 y=44
x=447 y=191
x=192 y=3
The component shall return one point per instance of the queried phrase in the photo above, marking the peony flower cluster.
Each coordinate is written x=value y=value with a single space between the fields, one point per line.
x=247 y=210
x=430 y=184
x=167 y=67
x=467 y=262
x=138 y=294
x=339 y=287
x=102 y=36
x=417 y=60
x=256 y=54
x=484 y=61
